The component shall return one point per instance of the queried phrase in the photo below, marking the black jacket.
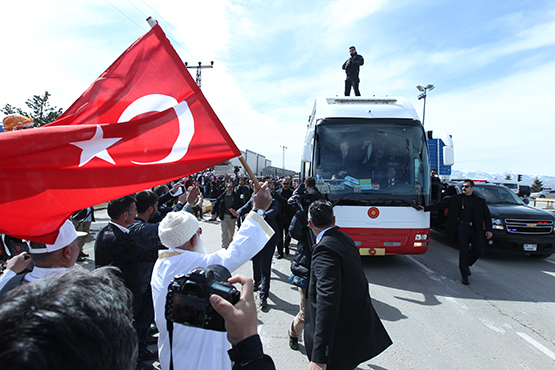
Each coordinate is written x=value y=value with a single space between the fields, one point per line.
x=352 y=65
x=245 y=192
x=249 y=355
x=116 y=248
x=219 y=206
x=481 y=216
x=341 y=327
x=299 y=230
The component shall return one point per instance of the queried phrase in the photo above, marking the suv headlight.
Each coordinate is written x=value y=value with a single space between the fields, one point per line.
x=497 y=224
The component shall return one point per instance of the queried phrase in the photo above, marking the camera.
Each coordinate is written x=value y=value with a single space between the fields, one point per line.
x=187 y=301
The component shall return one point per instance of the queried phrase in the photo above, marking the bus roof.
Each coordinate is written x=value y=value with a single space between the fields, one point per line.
x=375 y=107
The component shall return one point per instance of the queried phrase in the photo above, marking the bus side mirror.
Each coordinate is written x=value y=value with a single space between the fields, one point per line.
x=448 y=156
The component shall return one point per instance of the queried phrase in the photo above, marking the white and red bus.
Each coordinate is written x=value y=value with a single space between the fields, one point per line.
x=379 y=182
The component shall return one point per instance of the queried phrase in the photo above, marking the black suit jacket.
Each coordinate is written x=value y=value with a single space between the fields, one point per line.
x=116 y=248
x=341 y=327
x=480 y=215
x=349 y=164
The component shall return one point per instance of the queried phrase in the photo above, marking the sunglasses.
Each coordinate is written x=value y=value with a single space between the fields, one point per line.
x=466 y=186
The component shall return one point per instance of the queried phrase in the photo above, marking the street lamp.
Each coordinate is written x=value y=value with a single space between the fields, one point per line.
x=424 y=90
x=283 y=157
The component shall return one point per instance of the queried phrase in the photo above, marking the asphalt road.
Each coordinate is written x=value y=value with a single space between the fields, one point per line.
x=503 y=320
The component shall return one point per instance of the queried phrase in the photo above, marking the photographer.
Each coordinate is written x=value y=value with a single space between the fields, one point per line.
x=195 y=348
x=240 y=323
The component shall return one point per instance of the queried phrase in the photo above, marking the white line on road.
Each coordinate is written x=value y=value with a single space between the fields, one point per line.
x=431 y=274
x=420 y=264
x=553 y=262
x=549 y=273
x=537 y=345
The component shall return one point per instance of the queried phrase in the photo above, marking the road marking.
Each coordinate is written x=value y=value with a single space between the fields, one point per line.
x=553 y=262
x=549 y=273
x=537 y=345
x=453 y=300
x=431 y=274
x=492 y=326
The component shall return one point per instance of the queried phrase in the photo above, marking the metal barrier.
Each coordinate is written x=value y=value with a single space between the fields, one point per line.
x=548 y=202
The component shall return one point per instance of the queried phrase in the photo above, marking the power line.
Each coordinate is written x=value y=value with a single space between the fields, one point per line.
x=125 y=15
x=158 y=14
x=172 y=26
x=139 y=10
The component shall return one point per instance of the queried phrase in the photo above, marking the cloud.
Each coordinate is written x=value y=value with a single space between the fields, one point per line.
x=344 y=13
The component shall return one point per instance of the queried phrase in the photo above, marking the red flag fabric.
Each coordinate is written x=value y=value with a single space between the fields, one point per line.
x=143 y=122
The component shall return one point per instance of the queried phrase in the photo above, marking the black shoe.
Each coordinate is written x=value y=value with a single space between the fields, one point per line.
x=256 y=288
x=465 y=280
x=151 y=340
x=148 y=355
x=263 y=303
x=294 y=343
x=279 y=256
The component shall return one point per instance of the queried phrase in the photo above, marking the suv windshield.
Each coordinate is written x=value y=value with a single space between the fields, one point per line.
x=497 y=195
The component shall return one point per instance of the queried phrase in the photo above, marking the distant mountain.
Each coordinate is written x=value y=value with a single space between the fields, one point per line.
x=548 y=181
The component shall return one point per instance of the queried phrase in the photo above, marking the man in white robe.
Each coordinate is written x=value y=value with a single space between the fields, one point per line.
x=195 y=348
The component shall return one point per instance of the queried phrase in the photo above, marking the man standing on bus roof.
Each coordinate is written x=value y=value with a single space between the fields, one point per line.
x=467 y=218
x=352 y=67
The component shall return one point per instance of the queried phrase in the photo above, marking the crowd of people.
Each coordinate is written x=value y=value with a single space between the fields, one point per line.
x=154 y=235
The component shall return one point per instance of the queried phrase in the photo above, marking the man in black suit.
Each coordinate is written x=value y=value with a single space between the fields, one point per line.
x=468 y=220
x=341 y=327
x=116 y=247
x=348 y=162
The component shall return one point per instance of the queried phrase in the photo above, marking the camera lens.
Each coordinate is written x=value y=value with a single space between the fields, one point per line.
x=220 y=272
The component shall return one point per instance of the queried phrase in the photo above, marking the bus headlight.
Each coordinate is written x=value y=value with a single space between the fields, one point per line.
x=420 y=240
x=421 y=237
x=497 y=224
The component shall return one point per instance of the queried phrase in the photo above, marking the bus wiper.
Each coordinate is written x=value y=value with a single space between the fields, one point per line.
x=334 y=203
x=415 y=206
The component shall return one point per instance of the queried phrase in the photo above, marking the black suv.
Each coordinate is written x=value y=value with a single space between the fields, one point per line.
x=516 y=226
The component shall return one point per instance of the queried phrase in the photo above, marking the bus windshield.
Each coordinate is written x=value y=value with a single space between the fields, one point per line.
x=372 y=161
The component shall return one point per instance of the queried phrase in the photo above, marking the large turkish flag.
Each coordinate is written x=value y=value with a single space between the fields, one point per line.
x=143 y=122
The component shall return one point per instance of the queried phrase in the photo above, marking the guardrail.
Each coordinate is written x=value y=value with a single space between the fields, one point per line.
x=549 y=203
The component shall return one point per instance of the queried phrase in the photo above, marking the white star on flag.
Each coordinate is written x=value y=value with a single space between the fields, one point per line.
x=96 y=147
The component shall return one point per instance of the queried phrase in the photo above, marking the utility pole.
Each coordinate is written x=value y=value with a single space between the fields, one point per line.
x=283 y=157
x=199 y=68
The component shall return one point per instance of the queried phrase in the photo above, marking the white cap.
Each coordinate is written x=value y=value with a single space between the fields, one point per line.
x=177 y=228
x=66 y=236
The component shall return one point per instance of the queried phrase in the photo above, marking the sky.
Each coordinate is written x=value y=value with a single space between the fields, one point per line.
x=492 y=64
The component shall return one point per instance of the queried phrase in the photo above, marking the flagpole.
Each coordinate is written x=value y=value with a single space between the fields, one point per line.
x=249 y=171
x=151 y=22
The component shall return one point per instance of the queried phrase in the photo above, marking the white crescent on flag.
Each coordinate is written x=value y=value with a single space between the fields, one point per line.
x=159 y=103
